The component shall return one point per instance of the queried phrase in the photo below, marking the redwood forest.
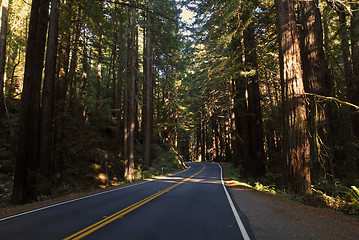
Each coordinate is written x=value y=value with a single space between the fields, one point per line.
x=98 y=93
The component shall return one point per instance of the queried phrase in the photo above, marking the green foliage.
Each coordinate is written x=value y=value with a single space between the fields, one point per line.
x=352 y=194
x=164 y=162
x=233 y=172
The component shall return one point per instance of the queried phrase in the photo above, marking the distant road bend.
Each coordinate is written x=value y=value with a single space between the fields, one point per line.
x=193 y=204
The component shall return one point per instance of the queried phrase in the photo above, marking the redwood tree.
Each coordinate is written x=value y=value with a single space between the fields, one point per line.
x=296 y=147
x=317 y=80
x=47 y=106
x=148 y=93
x=26 y=171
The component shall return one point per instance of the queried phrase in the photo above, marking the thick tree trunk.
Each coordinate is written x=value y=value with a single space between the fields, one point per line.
x=243 y=124
x=3 y=33
x=296 y=147
x=61 y=86
x=317 y=80
x=26 y=171
x=130 y=159
x=45 y=146
x=257 y=163
x=240 y=110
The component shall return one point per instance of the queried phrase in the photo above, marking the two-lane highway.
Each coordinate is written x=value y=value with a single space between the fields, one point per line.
x=193 y=204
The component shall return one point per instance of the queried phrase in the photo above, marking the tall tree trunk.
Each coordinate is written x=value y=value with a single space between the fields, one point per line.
x=84 y=77
x=127 y=79
x=73 y=68
x=234 y=129
x=243 y=125
x=199 y=156
x=348 y=70
x=120 y=85
x=129 y=174
x=257 y=163
x=99 y=75
x=317 y=80
x=203 y=135
x=296 y=147
x=148 y=95
x=25 y=180
x=241 y=110
x=45 y=146
x=3 y=33
x=61 y=86
x=354 y=30
x=114 y=70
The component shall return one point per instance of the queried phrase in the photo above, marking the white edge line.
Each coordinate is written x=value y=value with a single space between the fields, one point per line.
x=69 y=201
x=234 y=210
x=81 y=198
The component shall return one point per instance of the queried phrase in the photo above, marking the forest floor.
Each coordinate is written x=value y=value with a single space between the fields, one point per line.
x=272 y=217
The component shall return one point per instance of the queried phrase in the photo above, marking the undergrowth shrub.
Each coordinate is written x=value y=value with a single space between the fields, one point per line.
x=165 y=161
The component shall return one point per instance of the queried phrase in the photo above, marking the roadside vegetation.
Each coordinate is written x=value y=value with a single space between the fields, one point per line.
x=90 y=166
x=337 y=196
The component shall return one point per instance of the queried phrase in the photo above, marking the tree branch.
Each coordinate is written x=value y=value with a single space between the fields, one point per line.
x=139 y=6
x=333 y=99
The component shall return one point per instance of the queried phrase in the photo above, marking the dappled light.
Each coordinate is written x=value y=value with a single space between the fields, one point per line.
x=145 y=96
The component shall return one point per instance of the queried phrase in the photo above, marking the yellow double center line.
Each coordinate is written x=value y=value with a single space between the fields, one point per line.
x=86 y=231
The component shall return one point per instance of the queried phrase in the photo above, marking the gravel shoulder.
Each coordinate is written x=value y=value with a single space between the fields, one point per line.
x=272 y=217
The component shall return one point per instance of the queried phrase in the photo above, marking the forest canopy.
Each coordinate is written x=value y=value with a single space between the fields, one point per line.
x=100 y=92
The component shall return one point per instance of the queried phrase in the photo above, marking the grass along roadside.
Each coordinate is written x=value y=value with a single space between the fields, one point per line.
x=336 y=197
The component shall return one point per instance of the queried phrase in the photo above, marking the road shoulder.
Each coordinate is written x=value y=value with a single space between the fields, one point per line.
x=271 y=217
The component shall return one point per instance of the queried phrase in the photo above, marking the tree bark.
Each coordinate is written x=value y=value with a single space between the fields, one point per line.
x=317 y=80
x=61 y=86
x=99 y=75
x=348 y=70
x=45 y=146
x=130 y=167
x=120 y=86
x=296 y=147
x=3 y=33
x=148 y=95
x=84 y=79
x=72 y=76
x=257 y=163
x=26 y=170
x=114 y=70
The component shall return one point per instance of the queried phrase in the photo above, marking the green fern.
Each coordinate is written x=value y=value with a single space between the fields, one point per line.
x=355 y=194
x=352 y=194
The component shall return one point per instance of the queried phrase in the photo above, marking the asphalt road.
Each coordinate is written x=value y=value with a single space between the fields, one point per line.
x=193 y=204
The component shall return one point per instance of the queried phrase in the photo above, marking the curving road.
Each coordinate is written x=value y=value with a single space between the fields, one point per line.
x=193 y=204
